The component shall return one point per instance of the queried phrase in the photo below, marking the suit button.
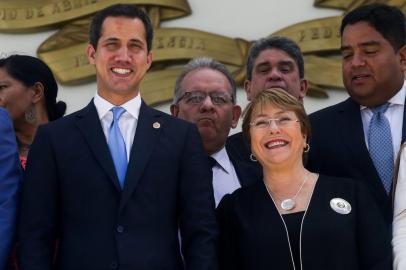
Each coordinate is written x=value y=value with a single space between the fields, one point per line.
x=120 y=229
x=114 y=265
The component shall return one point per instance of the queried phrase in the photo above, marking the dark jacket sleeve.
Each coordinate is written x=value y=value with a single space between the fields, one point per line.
x=198 y=224
x=228 y=246
x=374 y=237
x=39 y=204
x=10 y=178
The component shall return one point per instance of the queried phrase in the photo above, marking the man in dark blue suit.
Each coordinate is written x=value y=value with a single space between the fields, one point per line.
x=272 y=62
x=205 y=94
x=10 y=178
x=373 y=64
x=116 y=180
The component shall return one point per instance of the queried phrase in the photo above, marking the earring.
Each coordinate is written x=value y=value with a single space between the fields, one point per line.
x=30 y=115
x=252 y=157
x=307 y=148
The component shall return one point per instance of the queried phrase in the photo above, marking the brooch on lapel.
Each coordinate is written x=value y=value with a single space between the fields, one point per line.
x=156 y=125
x=341 y=206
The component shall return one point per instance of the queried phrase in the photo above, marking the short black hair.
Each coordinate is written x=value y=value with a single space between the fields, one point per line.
x=120 y=10
x=389 y=21
x=275 y=42
x=29 y=70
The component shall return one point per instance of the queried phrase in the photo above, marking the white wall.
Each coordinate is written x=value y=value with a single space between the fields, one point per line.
x=233 y=18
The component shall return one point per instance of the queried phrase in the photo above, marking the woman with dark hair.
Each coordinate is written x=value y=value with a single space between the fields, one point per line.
x=28 y=91
x=296 y=219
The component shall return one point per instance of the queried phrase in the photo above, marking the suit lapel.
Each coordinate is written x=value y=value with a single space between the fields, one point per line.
x=247 y=173
x=148 y=129
x=89 y=125
x=353 y=136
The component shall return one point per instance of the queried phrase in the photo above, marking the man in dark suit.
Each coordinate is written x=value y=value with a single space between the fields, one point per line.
x=272 y=62
x=344 y=135
x=10 y=178
x=110 y=213
x=205 y=94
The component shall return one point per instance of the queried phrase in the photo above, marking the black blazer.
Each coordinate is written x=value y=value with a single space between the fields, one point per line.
x=71 y=191
x=239 y=152
x=247 y=172
x=338 y=148
x=252 y=234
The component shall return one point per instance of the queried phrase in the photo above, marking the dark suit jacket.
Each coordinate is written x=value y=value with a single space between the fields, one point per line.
x=71 y=191
x=338 y=148
x=10 y=178
x=253 y=236
x=239 y=152
x=247 y=172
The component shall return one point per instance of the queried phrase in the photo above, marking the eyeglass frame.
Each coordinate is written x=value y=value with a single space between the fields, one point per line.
x=228 y=96
x=277 y=122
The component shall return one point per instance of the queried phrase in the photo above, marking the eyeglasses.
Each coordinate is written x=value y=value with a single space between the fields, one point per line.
x=197 y=97
x=279 y=122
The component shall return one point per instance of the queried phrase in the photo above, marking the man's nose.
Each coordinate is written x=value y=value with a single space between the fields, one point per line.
x=207 y=103
x=275 y=74
x=357 y=60
x=123 y=54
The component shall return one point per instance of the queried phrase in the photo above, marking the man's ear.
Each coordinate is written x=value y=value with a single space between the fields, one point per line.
x=402 y=54
x=174 y=110
x=247 y=88
x=304 y=86
x=236 y=116
x=90 y=52
x=149 y=59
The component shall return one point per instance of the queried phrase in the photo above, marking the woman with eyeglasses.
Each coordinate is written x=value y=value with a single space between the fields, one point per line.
x=296 y=219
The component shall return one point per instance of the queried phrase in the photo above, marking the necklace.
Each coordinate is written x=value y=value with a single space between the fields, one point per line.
x=289 y=203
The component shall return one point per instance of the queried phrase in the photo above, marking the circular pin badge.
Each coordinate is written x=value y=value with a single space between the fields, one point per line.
x=341 y=206
x=156 y=125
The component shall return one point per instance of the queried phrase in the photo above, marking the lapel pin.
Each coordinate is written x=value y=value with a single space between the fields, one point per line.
x=156 y=125
x=341 y=206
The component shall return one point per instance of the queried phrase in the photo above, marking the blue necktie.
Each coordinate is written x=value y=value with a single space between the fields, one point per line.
x=381 y=146
x=117 y=146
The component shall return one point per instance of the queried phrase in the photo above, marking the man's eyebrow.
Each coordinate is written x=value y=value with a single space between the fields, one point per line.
x=362 y=44
x=264 y=63
x=110 y=39
x=369 y=43
x=286 y=62
x=136 y=40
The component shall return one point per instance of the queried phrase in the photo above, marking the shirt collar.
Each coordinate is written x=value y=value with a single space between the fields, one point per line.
x=222 y=159
x=103 y=106
x=398 y=99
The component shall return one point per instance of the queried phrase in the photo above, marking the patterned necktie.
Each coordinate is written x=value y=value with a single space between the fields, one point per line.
x=117 y=146
x=381 y=146
x=212 y=162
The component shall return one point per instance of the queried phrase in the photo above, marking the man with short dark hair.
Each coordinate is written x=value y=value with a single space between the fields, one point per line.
x=361 y=136
x=117 y=180
x=205 y=94
x=272 y=62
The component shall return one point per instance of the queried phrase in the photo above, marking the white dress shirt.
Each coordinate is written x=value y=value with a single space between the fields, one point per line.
x=225 y=179
x=394 y=114
x=127 y=123
x=399 y=217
